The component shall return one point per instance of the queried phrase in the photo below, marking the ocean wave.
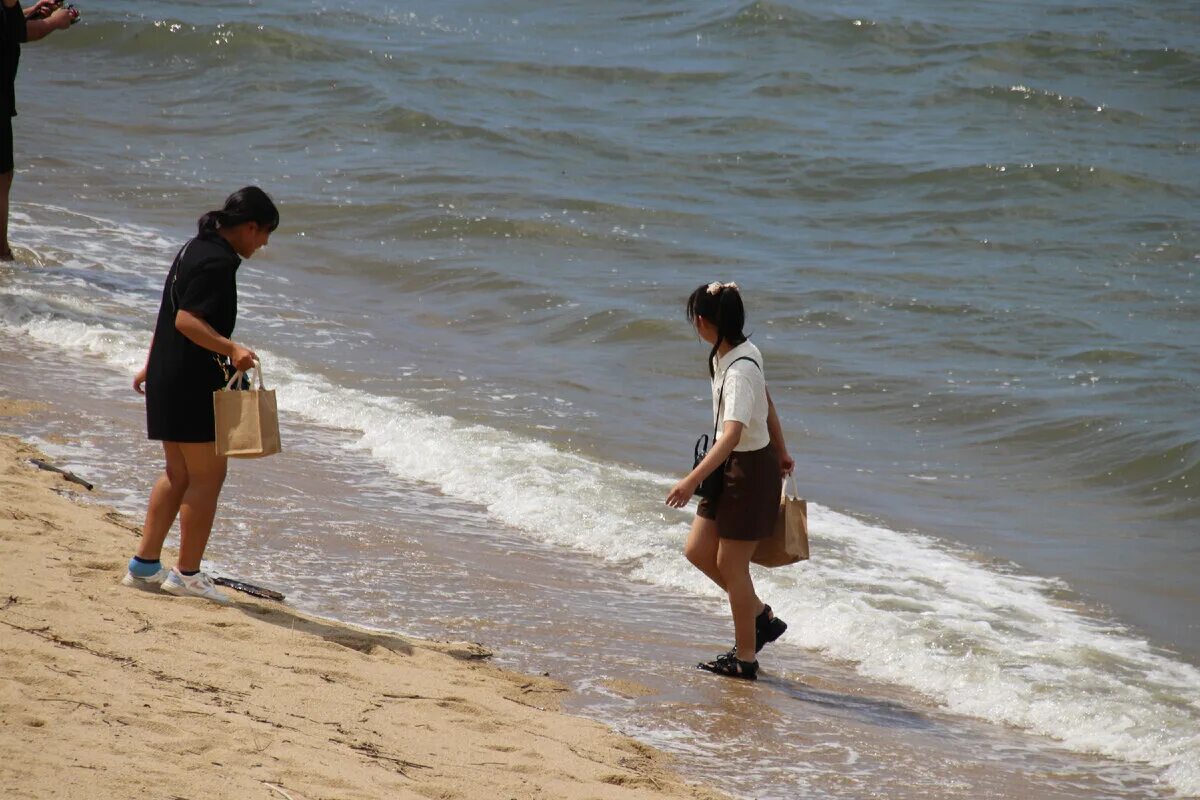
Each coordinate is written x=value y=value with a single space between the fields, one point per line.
x=1020 y=96
x=154 y=41
x=763 y=19
x=448 y=225
x=409 y=121
x=604 y=74
x=1058 y=52
x=1095 y=356
x=899 y=40
x=829 y=178
x=1063 y=176
x=1165 y=471
x=793 y=83
x=755 y=16
x=1158 y=467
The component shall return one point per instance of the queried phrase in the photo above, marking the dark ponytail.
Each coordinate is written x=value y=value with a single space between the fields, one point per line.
x=721 y=305
x=250 y=204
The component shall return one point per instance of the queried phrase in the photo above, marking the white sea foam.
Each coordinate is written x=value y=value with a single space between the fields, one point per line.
x=985 y=642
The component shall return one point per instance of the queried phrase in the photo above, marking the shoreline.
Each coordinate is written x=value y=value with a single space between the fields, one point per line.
x=112 y=691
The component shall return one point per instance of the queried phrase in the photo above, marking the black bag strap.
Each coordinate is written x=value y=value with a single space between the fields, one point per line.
x=175 y=274
x=721 y=394
x=222 y=362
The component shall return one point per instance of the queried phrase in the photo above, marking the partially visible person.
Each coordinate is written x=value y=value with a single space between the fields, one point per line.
x=191 y=356
x=16 y=27
x=752 y=458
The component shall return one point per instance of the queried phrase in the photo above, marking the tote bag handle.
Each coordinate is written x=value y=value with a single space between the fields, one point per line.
x=236 y=379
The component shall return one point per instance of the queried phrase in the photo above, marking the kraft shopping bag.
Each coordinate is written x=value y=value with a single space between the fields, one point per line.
x=789 y=542
x=247 y=419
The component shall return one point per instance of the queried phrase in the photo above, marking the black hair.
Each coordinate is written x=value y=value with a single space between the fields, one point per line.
x=724 y=309
x=250 y=204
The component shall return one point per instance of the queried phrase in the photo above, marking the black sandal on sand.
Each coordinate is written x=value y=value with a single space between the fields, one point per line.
x=767 y=628
x=731 y=666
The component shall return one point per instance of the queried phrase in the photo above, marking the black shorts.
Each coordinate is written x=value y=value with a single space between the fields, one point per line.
x=6 y=145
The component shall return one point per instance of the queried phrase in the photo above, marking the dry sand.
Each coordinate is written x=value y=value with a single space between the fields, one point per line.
x=111 y=692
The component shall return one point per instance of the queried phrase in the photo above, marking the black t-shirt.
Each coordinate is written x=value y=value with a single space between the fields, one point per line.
x=203 y=282
x=12 y=33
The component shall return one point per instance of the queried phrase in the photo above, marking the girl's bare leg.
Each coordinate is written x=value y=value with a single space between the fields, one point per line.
x=733 y=562
x=701 y=549
x=5 y=186
x=206 y=476
x=165 y=499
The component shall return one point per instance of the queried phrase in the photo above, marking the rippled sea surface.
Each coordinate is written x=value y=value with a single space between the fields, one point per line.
x=966 y=234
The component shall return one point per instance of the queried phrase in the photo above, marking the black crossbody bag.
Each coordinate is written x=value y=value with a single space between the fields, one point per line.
x=710 y=488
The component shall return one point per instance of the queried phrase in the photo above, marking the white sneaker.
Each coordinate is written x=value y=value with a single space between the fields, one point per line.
x=198 y=585
x=150 y=583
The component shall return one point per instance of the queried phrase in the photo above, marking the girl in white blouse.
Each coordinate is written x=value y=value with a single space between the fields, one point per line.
x=750 y=453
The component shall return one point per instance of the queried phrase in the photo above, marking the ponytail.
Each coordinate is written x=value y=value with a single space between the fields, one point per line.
x=720 y=304
x=250 y=204
x=210 y=222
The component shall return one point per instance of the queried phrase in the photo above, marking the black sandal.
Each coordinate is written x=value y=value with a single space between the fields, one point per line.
x=729 y=665
x=767 y=628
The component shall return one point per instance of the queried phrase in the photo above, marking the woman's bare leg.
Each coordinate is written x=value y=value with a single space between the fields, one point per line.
x=733 y=562
x=5 y=187
x=701 y=549
x=206 y=475
x=163 y=507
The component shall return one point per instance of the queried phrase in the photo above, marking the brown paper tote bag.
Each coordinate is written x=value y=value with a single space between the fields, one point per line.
x=789 y=543
x=247 y=420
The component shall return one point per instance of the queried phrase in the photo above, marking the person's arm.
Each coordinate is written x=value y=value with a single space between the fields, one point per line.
x=731 y=435
x=41 y=28
x=139 y=380
x=200 y=332
x=41 y=8
x=775 y=430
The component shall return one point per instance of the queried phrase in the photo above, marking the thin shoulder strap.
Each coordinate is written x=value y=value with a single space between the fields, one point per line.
x=175 y=274
x=721 y=394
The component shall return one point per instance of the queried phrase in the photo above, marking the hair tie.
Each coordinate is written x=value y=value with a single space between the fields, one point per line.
x=716 y=286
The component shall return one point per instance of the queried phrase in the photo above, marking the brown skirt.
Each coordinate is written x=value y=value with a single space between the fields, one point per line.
x=749 y=504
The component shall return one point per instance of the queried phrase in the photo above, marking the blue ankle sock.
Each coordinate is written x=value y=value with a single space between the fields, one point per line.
x=141 y=568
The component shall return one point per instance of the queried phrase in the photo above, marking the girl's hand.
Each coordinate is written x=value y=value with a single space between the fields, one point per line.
x=682 y=493
x=786 y=463
x=139 y=380
x=243 y=358
x=60 y=19
x=41 y=9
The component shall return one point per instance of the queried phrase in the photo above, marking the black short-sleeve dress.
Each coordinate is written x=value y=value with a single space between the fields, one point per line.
x=180 y=374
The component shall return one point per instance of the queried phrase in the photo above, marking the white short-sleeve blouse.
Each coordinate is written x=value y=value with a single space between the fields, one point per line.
x=745 y=396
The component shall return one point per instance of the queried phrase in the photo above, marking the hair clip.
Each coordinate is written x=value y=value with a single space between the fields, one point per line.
x=716 y=286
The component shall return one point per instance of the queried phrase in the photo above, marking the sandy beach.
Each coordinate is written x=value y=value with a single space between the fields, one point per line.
x=112 y=692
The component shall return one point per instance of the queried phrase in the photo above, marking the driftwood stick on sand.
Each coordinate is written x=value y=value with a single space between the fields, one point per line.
x=278 y=789
x=250 y=588
x=71 y=476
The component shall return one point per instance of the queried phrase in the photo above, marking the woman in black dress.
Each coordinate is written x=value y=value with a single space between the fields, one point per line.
x=191 y=356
